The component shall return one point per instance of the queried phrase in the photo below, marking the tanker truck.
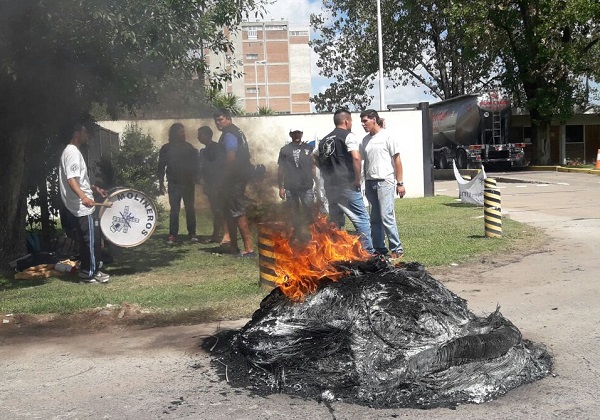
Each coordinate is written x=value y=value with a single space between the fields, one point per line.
x=473 y=130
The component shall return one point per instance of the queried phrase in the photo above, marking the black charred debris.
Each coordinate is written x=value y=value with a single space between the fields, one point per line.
x=383 y=336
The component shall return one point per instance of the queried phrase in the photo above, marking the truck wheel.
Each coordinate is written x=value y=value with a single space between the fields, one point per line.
x=442 y=163
x=461 y=159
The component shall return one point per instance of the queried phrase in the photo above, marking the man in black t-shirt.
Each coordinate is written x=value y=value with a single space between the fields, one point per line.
x=178 y=159
x=339 y=160
x=296 y=175
x=211 y=160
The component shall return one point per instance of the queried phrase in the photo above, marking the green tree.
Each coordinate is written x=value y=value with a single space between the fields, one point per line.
x=423 y=46
x=547 y=49
x=134 y=164
x=60 y=57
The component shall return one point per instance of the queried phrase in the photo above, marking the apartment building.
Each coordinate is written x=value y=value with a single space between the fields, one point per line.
x=274 y=60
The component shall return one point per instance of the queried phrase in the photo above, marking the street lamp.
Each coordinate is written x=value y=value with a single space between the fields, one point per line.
x=256 y=80
x=380 y=53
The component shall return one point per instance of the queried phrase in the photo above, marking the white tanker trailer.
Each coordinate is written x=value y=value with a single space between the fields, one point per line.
x=474 y=130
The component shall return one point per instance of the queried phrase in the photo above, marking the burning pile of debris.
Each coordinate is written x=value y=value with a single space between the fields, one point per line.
x=384 y=336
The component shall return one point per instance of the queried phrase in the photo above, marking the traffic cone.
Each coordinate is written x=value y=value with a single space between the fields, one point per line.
x=598 y=160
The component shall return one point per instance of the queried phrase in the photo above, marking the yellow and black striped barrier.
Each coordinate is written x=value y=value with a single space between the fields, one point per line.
x=266 y=254
x=492 y=209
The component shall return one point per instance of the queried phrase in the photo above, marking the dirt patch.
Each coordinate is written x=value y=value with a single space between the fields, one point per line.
x=126 y=315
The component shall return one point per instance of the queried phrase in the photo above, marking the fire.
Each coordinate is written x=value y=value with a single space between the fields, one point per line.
x=299 y=271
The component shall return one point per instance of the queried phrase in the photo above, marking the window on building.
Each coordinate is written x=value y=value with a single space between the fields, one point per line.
x=252 y=56
x=574 y=133
x=276 y=27
x=252 y=90
x=251 y=33
x=298 y=33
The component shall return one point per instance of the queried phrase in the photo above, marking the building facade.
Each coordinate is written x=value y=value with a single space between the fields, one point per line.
x=274 y=60
x=576 y=140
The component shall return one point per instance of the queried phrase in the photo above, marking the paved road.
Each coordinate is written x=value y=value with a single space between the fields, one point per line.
x=161 y=373
x=565 y=203
x=542 y=197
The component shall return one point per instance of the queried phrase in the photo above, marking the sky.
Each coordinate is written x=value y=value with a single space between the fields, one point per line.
x=298 y=12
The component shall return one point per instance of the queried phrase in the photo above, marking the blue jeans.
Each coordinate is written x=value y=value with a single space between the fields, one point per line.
x=177 y=192
x=301 y=210
x=304 y=199
x=346 y=201
x=381 y=195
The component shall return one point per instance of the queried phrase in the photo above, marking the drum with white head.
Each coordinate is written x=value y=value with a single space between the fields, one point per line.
x=131 y=218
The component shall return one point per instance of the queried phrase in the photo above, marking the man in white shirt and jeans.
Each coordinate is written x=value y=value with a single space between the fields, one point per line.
x=76 y=194
x=383 y=180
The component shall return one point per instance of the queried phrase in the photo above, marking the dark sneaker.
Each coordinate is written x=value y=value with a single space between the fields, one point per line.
x=172 y=240
x=194 y=239
x=99 y=277
x=250 y=254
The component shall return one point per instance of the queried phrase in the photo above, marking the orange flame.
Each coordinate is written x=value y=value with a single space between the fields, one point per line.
x=299 y=271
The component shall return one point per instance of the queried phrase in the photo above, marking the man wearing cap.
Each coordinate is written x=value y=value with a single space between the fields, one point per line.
x=296 y=174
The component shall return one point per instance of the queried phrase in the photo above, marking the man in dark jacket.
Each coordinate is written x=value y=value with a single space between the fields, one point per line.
x=179 y=160
x=339 y=160
x=236 y=173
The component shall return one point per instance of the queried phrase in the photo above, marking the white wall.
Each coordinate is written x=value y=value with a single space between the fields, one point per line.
x=267 y=134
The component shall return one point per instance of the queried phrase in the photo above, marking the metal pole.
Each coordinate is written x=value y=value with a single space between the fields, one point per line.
x=256 y=81
x=256 y=85
x=380 y=53
x=267 y=82
x=265 y=62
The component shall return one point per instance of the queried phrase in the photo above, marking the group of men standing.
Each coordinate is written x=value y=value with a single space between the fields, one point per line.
x=342 y=159
x=225 y=169
x=223 y=166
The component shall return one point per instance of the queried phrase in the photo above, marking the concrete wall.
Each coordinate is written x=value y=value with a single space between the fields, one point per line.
x=267 y=134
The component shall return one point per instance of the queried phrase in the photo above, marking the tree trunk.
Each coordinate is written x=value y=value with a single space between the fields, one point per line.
x=47 y=228
x=13 y=193
x=540 y=137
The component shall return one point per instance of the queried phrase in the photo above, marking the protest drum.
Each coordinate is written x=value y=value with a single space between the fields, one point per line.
x=127 y=217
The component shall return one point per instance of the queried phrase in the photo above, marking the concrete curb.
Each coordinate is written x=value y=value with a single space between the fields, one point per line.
x=564 y=169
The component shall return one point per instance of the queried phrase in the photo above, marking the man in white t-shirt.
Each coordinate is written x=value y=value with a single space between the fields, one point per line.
x=77 y=196
x=383 y=180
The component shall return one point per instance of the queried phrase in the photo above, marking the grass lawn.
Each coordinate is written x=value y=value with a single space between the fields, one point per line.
x=193 y=283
